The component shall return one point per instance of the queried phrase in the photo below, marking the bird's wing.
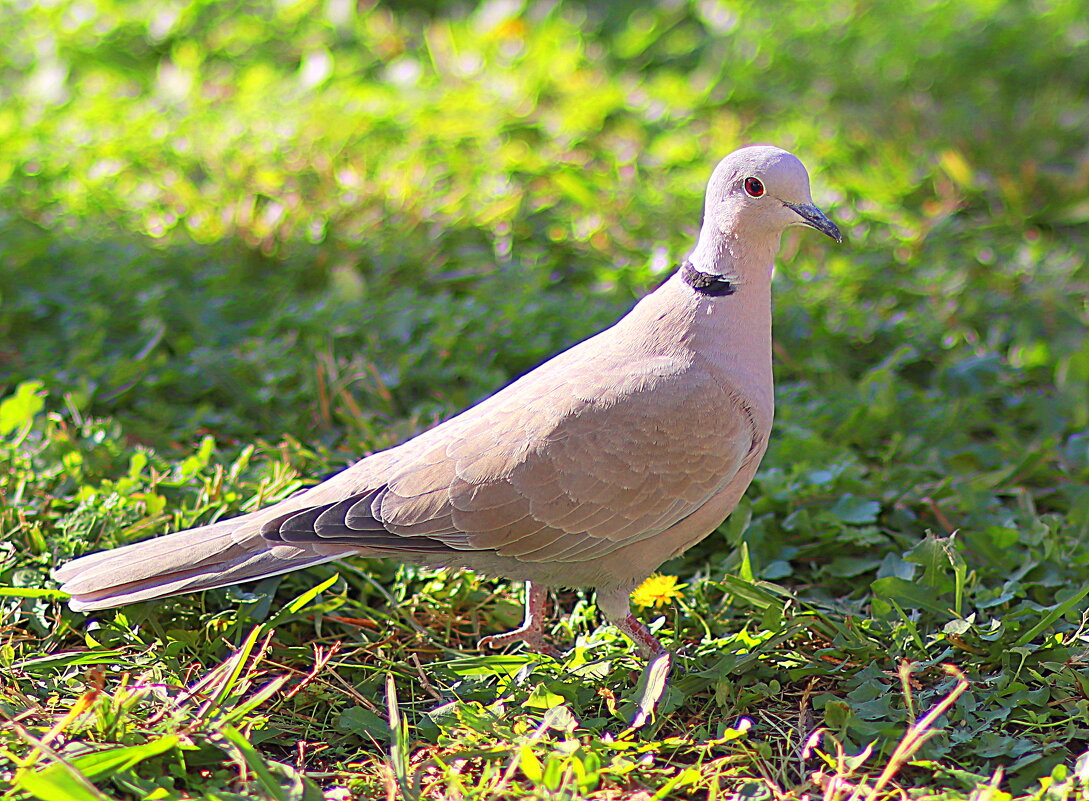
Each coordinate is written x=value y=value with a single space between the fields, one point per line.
x=568 y=464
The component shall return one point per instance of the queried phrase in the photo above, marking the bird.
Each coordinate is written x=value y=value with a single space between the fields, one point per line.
x=589 y=471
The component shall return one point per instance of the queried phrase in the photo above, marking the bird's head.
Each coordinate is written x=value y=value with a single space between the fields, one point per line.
x=760 y=191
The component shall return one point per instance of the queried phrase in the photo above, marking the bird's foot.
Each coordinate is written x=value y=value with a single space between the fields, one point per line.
x=531 y=632
x=646 y=643
x=532 y=637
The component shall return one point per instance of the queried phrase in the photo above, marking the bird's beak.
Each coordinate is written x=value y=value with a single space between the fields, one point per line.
x=815 y=218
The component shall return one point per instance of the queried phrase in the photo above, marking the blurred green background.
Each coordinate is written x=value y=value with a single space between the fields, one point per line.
x=202 y=201
x=335 y=223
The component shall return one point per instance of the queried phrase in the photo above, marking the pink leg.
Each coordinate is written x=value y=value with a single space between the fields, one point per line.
x=531 y=632
x=645 y=642
x=613 y=603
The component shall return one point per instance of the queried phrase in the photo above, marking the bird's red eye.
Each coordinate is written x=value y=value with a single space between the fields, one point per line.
x=753 y=187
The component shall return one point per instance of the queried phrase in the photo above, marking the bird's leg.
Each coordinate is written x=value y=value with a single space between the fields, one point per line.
x=614 y=605
x=645 y=642
x=531 y=632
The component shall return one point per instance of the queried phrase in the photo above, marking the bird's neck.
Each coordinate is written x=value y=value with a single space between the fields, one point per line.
x=732 y=332
x=743 y=317
x=733 y=256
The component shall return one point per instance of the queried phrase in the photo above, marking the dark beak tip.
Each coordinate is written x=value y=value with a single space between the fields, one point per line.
x=826 y=227
x=816 y=219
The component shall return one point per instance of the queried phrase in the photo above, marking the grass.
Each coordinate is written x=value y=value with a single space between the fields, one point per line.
x=242 y=245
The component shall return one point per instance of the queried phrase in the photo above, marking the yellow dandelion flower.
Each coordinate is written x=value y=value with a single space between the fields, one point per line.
x=657 y=591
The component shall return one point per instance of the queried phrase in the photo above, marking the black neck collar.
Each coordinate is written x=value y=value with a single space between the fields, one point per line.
x=713 y=285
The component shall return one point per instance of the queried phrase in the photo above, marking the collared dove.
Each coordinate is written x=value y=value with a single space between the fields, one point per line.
x=590 y=471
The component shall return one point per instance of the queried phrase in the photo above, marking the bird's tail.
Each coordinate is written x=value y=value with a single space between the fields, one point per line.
x=216 y=555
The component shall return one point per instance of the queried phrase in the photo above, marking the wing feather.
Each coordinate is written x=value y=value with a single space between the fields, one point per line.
x=579 y=470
